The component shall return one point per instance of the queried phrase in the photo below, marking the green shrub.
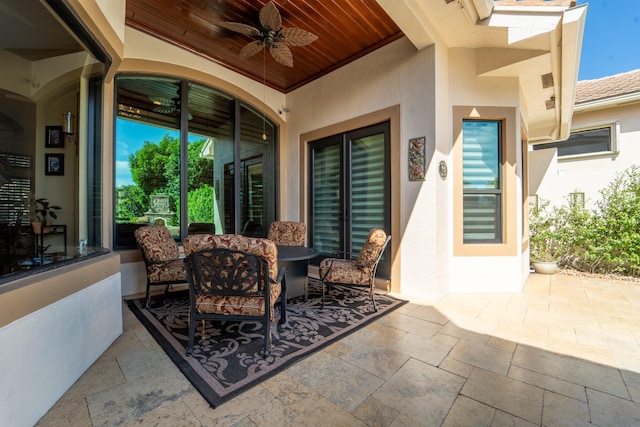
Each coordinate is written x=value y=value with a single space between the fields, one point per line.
x=605 y=240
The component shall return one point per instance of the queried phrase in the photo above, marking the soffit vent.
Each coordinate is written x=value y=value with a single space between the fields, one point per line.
x=547 y=80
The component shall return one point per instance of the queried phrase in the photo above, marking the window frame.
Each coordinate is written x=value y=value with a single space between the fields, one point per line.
x=614 y=132
x=510 y=172
x=497 y=192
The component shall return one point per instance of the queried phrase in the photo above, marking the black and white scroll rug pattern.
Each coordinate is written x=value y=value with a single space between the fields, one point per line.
x=228 y=360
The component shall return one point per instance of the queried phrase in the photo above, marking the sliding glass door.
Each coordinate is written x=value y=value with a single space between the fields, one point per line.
x=350 y=191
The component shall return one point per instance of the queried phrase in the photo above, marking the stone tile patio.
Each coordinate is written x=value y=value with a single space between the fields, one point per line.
x=563 y=352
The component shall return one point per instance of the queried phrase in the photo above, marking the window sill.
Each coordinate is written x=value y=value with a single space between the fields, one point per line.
x=577 y=157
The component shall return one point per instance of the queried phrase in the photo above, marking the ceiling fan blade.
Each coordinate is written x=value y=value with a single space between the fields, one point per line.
x=164 y=109
x=240 y=28
x=270 y=17
x=282 y=54
x=251 y=49
x=162 y=101
x=297 y=37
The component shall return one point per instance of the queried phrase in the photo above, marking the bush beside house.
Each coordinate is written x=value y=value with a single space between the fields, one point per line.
x=605 y=240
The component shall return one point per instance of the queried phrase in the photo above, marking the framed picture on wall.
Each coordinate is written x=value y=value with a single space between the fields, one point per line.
x=53 y=164
x=54 y=137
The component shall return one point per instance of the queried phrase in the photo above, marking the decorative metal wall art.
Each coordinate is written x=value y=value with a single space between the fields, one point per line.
x=417 y=159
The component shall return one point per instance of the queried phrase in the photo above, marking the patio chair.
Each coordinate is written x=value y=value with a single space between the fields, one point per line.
x=161 y=257
x=359 y=272
x=287 y=233
x=232 y=277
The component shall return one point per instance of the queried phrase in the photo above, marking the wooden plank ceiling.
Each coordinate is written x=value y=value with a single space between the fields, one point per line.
x=346 y=30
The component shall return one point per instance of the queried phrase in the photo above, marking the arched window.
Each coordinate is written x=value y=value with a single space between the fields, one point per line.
x=212 y=162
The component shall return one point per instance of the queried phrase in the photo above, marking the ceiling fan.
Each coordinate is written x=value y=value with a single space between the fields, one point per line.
x=165 y=105
x=271 y=35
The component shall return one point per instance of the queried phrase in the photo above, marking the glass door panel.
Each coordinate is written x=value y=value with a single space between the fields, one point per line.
x=367 y=187
x=325 y=199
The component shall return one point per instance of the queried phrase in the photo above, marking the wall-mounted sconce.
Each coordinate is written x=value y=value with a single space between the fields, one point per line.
x=69 y=128
x=68 y=120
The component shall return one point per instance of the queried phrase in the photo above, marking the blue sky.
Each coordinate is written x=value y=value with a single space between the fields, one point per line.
x=611 y=38
x=129 y=138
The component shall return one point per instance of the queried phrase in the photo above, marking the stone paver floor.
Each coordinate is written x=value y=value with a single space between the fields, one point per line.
x=563 y=352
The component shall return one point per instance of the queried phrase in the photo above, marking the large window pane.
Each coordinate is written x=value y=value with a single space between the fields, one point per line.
x=42 y=156
x=480 y=218
x=211 y=146
x=147 y=175
x=482 y=188
x=481 y=167
x=258 y=177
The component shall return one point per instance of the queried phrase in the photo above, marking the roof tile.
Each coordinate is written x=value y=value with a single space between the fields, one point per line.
x=608 y=87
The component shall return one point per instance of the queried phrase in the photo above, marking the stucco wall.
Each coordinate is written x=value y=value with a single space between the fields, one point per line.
x=470 y=274
x=588 y=175
x=395 y=75
x=54 y=326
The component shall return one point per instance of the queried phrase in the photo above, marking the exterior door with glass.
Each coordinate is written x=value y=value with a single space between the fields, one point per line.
x=350 y=191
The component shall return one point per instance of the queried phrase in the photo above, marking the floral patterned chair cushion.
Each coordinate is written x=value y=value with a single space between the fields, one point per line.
x=371 y=249
x=287 y=233
x=156 y=243
x=238 y=305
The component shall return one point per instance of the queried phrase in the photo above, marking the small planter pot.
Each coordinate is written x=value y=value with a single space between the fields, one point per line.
x=545 y=267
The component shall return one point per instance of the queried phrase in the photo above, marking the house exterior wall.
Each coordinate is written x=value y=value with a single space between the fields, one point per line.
x=424 y=264
x=484 y=271
x=423 y=85
x=556 y=179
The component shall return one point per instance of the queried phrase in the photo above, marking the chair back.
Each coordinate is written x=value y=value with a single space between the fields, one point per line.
x=373 y=249
x=156 y=243
x=288 y=233
x=254 y=245
x=227 y=273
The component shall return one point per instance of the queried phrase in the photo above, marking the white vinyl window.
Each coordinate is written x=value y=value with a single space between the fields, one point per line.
x=596 y=140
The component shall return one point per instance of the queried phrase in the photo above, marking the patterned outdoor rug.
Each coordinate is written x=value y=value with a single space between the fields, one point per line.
x=228 y=361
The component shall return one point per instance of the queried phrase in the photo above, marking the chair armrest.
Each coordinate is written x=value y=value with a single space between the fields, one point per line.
x=281 y=273
x=331 y=260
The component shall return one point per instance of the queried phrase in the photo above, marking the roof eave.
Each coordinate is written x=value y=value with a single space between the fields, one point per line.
x=615 y=101
x=572 y=34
